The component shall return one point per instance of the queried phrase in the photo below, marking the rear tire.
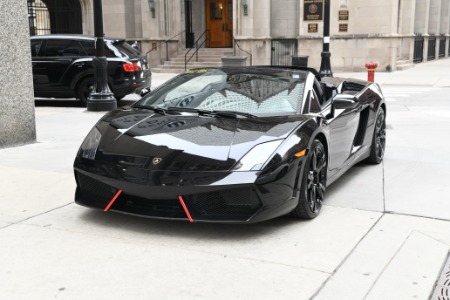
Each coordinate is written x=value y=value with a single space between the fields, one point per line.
x=312 y=191
x=379 y=139
x=84 y=88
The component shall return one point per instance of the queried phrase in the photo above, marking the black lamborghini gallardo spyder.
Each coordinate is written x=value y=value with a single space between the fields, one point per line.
x=231 y=144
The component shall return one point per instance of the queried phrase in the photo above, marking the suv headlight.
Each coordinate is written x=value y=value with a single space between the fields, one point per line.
x=89 y=147
x=257 y=156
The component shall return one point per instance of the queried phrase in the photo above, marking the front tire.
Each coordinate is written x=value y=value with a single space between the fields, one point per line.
x=312 y=191
x=379 y=139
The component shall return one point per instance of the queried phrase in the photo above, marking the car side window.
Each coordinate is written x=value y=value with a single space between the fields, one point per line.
x=35 y=47
x=319 y=91
x=314 y=105
x=62 y=47
x=89 y=47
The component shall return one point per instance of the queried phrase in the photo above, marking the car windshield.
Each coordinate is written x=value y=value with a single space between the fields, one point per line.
x=256 y=91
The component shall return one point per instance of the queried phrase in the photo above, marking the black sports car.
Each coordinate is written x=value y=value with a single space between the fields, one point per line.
x=231 y=144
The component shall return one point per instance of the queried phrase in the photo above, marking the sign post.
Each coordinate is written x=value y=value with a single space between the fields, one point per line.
x=325 y=65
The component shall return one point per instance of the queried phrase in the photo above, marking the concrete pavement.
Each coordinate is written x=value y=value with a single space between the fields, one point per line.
x=384 y=232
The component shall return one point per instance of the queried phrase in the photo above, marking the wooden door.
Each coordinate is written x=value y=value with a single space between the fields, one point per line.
x=219 y=23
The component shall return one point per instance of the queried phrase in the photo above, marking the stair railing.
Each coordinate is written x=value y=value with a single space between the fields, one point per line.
x=197 y=47
x=166 y=42
x=236 y=43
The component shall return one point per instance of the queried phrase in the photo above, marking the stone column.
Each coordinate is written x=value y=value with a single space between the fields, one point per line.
x=422 y=22
x=445 y=23
x=87 y=16
x=115 y=18
x=17 y=121
x=261 y=28
x=434 y=21
x=406 y=28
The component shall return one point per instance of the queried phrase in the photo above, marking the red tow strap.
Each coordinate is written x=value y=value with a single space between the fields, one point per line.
x=112 y=200
x=185 y=209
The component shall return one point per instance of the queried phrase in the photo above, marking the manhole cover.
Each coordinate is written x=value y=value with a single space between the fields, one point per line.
x=442 y=291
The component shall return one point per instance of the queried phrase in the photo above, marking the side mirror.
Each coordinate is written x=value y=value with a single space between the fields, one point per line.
x=342 y=101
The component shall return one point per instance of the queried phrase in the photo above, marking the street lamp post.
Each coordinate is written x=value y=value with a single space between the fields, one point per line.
x=325 y=65
x=101 y=97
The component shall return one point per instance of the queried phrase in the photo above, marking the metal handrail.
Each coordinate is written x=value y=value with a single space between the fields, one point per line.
x=164 y=42
x=197 y=47
x=239 y=46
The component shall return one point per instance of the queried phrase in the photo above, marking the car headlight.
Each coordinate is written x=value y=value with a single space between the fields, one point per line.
x=257 y=156
x=90 y=144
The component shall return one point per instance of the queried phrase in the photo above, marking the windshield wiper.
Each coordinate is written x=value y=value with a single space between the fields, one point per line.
x=159 y=110
x=220 y=113
x=234 y=113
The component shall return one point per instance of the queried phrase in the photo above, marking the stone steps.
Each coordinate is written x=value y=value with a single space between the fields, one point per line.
x=206 y=57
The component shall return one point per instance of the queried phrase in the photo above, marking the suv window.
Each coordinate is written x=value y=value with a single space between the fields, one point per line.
x=126 y=49
x=35 y=47
x=55 y=47
x=89 y=48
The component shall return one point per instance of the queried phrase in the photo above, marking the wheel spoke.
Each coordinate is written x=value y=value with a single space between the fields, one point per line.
x=313 y=202
x=314 y=160
x=321 y=191
x=322 y=163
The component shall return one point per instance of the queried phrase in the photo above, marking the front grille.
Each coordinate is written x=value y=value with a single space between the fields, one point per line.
x=162 y=208
x=94 y=188
x=239 y=204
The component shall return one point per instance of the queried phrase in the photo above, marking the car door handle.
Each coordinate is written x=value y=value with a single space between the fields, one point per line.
x=79 y=65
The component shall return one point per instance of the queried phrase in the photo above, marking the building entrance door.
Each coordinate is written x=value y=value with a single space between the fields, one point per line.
x=219 y=23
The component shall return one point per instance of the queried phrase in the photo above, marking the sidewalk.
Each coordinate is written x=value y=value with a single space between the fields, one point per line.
x=384 y=232
x=433 y=73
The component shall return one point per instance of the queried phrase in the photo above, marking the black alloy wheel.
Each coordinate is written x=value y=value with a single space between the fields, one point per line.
x=379 y=139
x=312 y=192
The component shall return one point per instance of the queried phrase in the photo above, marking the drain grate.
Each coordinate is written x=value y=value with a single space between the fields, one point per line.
x=442 y=291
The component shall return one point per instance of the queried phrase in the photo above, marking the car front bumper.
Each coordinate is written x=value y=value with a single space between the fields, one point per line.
x=226 y=197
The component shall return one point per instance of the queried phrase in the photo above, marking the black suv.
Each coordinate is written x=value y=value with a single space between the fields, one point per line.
x=63 y=67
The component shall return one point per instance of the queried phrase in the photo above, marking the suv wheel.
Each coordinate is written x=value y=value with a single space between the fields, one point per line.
x=84 y=88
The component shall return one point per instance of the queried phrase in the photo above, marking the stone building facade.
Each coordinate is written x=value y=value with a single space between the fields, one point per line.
x=391 y=33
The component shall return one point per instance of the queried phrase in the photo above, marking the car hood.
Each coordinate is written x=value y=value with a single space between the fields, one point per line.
x=185 y=142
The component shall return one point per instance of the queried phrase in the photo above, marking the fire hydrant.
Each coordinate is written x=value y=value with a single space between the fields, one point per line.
x=371 y=67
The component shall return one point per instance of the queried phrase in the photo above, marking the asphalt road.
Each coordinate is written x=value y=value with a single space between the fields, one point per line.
x=384 y=232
